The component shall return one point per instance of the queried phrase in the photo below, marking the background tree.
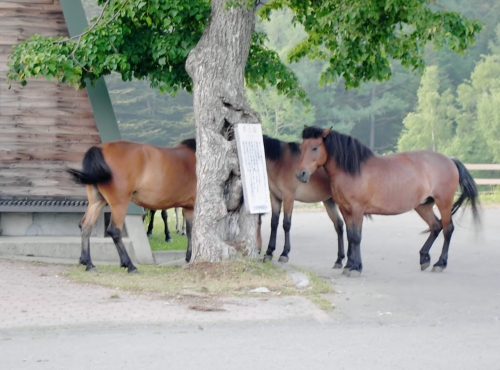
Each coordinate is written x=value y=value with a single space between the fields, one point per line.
x=209 y=47
x=431 y=126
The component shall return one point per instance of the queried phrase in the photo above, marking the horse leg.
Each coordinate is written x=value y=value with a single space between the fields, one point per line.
x=118 y=213
x=354 y=225
x=447 y=223
x=287 y=225
x=177 y=226
x=425 y=211
x=275 y=219
x=177 y=223
x=164 y=217
x=188 y=217
x=334 y=215
x=151 y=222
x=94 y=209
x=184 y=226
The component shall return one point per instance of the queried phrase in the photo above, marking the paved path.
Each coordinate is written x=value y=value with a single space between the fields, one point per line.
x=393 y=317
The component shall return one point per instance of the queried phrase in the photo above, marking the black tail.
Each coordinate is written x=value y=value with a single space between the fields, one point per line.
x=468 y=188
x=95 y=170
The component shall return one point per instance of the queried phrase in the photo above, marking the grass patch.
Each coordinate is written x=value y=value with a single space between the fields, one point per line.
x=236 y=277
x=157 y=240
x=205 y=280
x=317 y=288
x=491 y=198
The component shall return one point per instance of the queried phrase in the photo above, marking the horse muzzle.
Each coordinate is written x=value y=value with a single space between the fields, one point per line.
x=303 y=175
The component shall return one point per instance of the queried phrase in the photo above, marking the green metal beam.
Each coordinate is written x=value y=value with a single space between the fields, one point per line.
x=104 y=115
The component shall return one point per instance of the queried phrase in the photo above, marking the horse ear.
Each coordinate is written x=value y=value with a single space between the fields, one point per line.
x=305 y=126
x=326 y=132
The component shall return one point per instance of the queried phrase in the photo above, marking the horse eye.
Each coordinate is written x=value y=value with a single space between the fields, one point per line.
x=315 y=148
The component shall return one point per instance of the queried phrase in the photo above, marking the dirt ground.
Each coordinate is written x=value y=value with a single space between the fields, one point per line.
x=393 y=316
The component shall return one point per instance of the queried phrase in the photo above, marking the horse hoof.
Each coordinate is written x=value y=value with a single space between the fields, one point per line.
x=92 y=269
x=437 y=269
x=267 y=257
x=354 y=273
x=346 y=271
x=337 y=265
x=283 y=259
x=133 y=271
x=149 y=235
x=423 y=266
x=169 y=240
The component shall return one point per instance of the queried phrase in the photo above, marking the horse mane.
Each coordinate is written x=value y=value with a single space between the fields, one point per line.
x=347 y=151
x=273 y=148
x=190 y=143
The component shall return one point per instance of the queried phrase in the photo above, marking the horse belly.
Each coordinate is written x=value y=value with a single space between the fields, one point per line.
x=164 y=197
x=393 y=203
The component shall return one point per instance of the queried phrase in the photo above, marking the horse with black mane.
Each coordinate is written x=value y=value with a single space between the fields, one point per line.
x=118 y=172
x=281 y=161
x=363 y=183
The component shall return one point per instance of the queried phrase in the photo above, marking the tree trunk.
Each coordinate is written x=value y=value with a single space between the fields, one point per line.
x=216 y=66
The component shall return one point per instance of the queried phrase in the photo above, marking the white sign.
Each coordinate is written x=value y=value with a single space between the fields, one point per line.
x=253 y=167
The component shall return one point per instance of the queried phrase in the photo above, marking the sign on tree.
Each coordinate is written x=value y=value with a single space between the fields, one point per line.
x=253 y=167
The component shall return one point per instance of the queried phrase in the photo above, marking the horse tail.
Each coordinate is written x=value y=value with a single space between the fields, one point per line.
x=95 y=169
x=468 y=188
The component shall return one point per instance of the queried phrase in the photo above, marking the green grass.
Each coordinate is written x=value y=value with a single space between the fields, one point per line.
x=317 y=287
x=157 y=240
x=205 y=279
x=227 y=278
x=491 y=198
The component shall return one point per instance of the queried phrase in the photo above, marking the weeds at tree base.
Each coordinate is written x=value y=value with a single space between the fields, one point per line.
x=203 y=281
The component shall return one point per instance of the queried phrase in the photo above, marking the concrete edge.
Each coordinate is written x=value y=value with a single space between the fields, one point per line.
x=300 y=280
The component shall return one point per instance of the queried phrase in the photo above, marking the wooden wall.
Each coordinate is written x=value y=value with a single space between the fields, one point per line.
x=44 y=127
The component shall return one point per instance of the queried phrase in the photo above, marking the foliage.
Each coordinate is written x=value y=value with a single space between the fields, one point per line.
x=356 y=41
x=280 y=117
x=148 y=116
x=466 y=125
x=431 y=126
x=142 y=40
x=359 y=38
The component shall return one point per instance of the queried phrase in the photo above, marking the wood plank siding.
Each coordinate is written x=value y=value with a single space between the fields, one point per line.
x=44 y=127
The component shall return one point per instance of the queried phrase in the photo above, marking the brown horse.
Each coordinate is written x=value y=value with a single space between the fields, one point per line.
x=281 y=162
x=152 y=177
x=363 y=183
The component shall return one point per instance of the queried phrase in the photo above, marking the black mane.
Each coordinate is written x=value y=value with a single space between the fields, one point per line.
x=348 y=152
x=190 y=143
x=272 y=148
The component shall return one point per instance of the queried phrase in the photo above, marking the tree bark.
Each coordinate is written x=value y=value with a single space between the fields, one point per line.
x=216 y=66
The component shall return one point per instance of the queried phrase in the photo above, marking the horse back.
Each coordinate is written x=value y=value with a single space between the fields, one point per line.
x=396 y=183
x=156 y=177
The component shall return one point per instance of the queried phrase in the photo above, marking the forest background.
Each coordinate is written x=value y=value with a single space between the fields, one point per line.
x=454 y=108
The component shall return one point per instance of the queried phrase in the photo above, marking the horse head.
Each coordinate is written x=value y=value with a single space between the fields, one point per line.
x=313 y=152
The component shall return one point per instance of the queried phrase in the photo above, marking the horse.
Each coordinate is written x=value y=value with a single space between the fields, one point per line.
x=364 y=183
x=150 y=213
x=118 y=172
x=281 y=161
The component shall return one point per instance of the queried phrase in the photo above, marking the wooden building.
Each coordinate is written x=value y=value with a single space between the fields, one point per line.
x=44 y=129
